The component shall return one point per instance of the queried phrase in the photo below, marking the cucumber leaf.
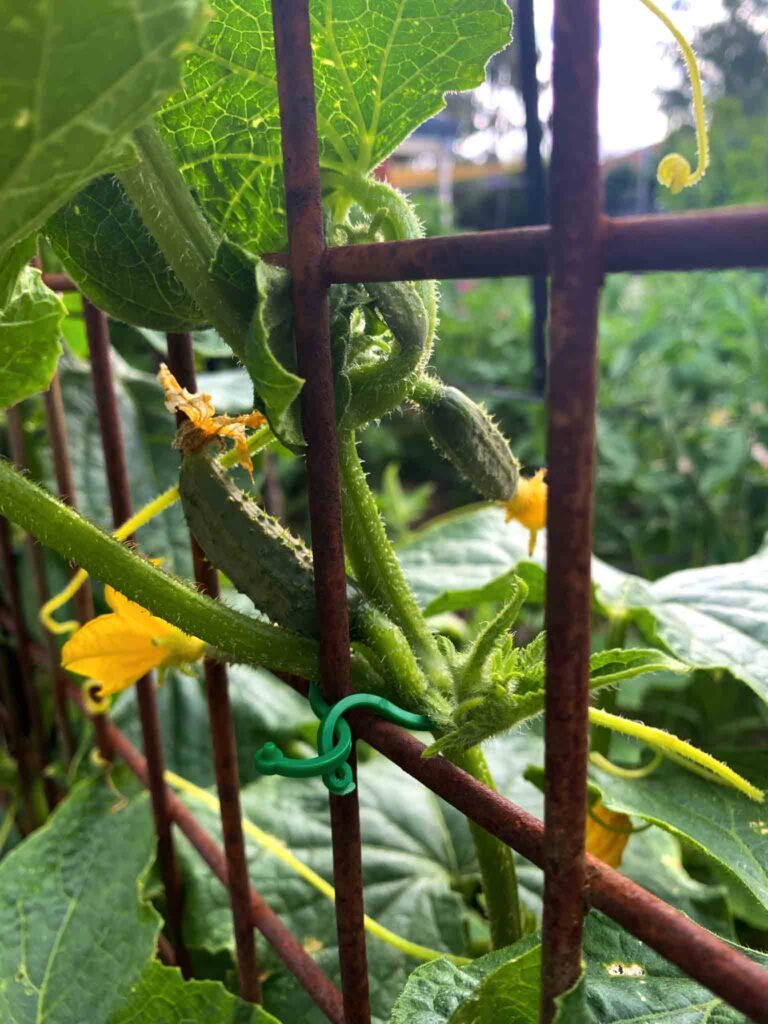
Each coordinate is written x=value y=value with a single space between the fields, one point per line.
x=76 y=936
x=105 y=248
x=61 y=126
x=263 y=708
x=710 y=618
x=162 y=996
x=270 y=355
x=727 y=827
x=417 y=853
x=380 y=71
x=623 y=981
x=30 y=327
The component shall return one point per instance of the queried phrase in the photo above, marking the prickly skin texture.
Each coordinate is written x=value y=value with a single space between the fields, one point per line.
x=468 y=437
x=262 y=558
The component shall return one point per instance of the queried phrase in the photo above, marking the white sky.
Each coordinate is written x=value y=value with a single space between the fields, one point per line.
x=632 y=66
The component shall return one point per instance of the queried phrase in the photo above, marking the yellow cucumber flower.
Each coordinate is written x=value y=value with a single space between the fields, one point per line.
x=203 y=423
x=529 y=505
x=607 y=834
x=117 y=649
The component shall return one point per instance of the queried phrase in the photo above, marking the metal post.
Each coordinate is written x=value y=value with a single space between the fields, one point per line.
x=306 y=244
x=97 y=333
x=181 y=362
x=576 y=276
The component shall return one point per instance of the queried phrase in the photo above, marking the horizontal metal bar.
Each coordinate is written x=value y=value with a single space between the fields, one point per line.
x=311 y=977
x=713 y=240
x=722 y=239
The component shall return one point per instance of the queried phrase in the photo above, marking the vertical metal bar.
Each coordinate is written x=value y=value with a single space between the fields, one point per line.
x=18 y=447
x=97 y=333
x=535 y=180
x=182 y=364
x=576 y=276
x=306 y=245
x=56 y=424
x=17 y=687
x=62 y=466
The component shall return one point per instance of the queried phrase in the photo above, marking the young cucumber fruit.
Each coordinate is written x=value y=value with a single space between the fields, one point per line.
x=467 y=436
x=263 y=559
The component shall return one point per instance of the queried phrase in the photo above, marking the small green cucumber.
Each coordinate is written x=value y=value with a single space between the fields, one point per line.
x=262 y=558
x=467 y=436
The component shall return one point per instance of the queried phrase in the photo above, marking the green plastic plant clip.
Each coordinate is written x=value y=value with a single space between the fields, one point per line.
x=334 y=740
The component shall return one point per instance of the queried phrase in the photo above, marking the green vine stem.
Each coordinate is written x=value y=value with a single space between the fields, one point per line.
x=497 y=863
x=375 y=564
x=400 y=222
x=236 y=636
x=173 y=218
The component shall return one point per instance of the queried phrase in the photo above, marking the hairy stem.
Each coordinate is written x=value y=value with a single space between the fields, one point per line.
x=375 y=563
x=173 y=218
x=497 y=863
x=236 y=636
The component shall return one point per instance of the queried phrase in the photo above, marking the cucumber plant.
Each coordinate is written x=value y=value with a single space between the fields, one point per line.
x=144 y=148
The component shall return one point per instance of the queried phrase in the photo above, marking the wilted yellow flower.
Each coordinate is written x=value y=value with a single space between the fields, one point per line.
x=204 y=424
x=529 y=505
x=607 y=834
x=117 y=649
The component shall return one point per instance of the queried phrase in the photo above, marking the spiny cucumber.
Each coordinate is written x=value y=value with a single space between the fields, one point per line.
x=468 y=437
x=262 y=558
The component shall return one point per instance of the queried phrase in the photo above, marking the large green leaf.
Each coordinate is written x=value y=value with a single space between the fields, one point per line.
x=380 y=70
x=624 y=981
x=715 y=617
x=103 y=244
x=726 y=826
x=465 y=558
x=75 y=936
x=161 y=996
x=30 y=325
x=417 y=853
x=263 y=708
x=78 y=76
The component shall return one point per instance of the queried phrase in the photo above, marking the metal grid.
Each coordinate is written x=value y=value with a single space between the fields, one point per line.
x=576 y=250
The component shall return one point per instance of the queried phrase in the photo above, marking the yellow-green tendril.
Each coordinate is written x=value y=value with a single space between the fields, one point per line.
x=602 y=762
x=674 y=171
x=673 y=747
x=278 y=849
x=152 y=509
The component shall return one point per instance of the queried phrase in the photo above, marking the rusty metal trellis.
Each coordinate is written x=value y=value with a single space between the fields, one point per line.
x=576 y=250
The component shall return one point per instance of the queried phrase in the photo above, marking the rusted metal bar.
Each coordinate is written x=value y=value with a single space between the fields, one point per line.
x=311 y=977
x=571 y=397
x=56 y=424
x=60 y=282
x=62 y=466
x=306 y=245
x=318 y=417
x=711 y=240
x=18 y=447
x=181 y=362
x=97 y=333
x=16 y=684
